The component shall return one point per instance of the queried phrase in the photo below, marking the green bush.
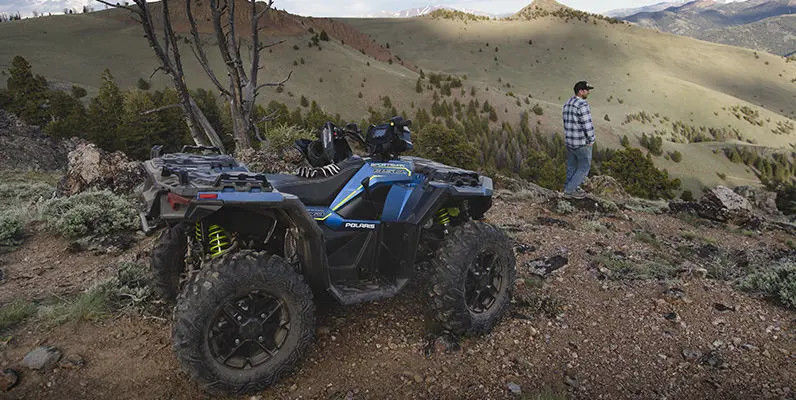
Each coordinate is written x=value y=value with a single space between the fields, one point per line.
x=25 y=191
x=777 y=283
x=11 y=225
x=90 y=214
x=639 y=176
x=652 y=143
x=687 y=195
x=282 y=137
x=444 y=145
x=676 y=156
x=538 y=110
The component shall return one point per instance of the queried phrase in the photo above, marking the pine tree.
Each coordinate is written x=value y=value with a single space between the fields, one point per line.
x=105 y=114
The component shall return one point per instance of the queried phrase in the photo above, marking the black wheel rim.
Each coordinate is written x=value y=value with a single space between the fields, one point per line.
x=248 y=331
x=484 y=282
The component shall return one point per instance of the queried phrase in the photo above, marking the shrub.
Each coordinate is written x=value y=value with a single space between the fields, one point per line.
x=90 y=213
x=625 y=142
x=564 y=207
x=687 y=195
x=10 y=228
x=777 y=283
x=639 y=176
x=652 y=143
x=676 y=156
x=143 y=84
x=90 y=305
x=444 y=145
x=15 y=312
x=282 y=137
x=22 y=192
x=537 y=109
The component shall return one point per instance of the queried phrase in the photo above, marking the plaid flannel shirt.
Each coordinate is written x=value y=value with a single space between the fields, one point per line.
x=578 y=126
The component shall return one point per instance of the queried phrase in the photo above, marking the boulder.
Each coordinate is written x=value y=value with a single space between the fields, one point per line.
x=26 y=147
x=90 y=167
x=723 y=205
x=762 y=200
x=606 y=187
x=42 y=357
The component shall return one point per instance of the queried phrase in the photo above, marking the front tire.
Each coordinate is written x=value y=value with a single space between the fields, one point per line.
x=243 y=322
x=473 y=280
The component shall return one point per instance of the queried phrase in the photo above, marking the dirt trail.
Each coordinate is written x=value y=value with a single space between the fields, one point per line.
x=612 y=340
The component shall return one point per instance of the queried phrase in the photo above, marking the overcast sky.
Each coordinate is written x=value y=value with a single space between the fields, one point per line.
x=344 y=7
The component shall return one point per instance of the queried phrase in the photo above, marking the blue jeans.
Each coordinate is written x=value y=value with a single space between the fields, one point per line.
x=578 y=166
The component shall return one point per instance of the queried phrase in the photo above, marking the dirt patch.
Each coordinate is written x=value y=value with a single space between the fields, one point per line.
x=606 y=339
x=44 y=266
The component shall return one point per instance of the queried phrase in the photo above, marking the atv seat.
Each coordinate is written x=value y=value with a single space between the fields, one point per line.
x=317 y=191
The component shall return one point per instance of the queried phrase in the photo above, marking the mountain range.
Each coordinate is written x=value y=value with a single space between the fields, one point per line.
x=767 y=25
x=699 y=98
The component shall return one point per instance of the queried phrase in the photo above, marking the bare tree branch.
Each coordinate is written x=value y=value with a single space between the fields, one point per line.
x=159 y=68
x=159 y=109
x=199 y=52
x=276 y=83
x=114 y=5
x=265 y=46
x=270 y=117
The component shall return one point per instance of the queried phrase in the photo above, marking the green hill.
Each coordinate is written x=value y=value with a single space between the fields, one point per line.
x=698 y=97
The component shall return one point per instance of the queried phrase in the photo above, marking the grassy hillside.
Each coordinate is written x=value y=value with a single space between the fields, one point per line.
x=683 y=85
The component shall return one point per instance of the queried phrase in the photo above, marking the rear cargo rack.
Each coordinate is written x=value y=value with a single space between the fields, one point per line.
x=243 y=178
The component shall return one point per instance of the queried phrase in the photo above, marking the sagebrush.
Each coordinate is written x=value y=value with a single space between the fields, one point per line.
x=90 y=214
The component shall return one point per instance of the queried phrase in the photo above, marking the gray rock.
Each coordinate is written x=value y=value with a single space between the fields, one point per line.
x=691 y=354
x=545 y=266
x=42 y=357
x=8 y=379
x=762 y=200
x=514 y=388
x=72 y=361
x=26 y=147
x=723 y=205
x=93 y=168
x=713 y=359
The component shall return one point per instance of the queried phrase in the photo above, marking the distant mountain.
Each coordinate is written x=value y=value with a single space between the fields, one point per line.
x=767 y=25
x=624 y=12
x=420 y=11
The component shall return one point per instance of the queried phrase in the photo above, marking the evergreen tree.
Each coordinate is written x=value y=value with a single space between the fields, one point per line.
x=105 y=113
x=26 y=94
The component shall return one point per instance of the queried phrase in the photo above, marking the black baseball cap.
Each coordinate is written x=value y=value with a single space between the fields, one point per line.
x=582 y=85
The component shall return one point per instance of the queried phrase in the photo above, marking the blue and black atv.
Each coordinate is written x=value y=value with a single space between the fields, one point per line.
x=245 y=254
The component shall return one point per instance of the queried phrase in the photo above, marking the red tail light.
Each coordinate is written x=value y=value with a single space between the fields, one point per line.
x=208 y=196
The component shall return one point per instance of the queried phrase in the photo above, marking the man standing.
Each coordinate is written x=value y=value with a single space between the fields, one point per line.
x=579 y=138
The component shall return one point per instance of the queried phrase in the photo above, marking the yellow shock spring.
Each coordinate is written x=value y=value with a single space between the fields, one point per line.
x=198 y=234
x=218 y=242
x=443 y=217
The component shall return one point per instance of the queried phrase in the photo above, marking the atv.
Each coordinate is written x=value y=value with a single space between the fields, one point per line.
x=244 y=255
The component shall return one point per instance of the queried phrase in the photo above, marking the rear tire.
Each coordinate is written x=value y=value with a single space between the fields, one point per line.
x=473 y=280
x=168 y=262
x=275 y=324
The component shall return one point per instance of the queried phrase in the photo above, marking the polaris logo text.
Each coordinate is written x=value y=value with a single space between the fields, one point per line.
x=359 y=226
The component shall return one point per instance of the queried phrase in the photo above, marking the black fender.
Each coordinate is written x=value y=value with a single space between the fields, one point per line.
x=290 y=210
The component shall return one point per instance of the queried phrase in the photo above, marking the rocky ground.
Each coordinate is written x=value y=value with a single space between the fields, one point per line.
x=609 y=305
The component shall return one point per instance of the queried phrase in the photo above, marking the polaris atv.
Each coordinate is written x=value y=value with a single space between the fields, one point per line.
x=245 y=254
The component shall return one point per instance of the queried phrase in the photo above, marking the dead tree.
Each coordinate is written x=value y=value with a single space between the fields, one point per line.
x=242 y=89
